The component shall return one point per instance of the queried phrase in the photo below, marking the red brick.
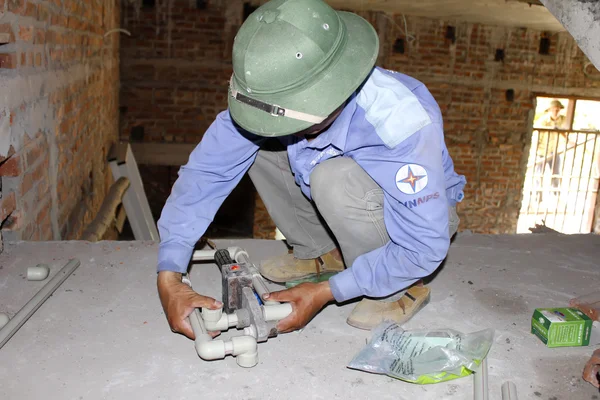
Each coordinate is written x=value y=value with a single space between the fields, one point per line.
x=26 y=33
x=31 y=10
x=7 y=205
x=40 y=36
x=44 y=13
x=7 y=28
x=11 y=167
x=8 y=60
x=26 y=184
x=16 y=6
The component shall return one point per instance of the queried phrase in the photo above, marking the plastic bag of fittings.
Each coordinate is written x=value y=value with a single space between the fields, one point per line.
x=423 y=356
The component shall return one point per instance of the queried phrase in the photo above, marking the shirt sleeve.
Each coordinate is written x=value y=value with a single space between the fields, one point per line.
x=214 y=169
x=415 y=214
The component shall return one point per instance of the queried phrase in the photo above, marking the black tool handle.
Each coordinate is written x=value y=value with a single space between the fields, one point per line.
x=222 y=258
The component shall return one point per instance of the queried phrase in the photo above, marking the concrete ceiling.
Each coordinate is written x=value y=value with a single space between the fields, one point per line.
x=491 y=12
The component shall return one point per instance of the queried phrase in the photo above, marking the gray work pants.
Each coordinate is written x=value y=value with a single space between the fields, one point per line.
x=347 y=205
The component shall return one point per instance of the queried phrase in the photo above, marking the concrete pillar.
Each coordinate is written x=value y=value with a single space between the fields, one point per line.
x=582 y=19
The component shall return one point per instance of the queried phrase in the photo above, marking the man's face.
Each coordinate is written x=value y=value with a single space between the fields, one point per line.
x=554 y=111
x=315 y=130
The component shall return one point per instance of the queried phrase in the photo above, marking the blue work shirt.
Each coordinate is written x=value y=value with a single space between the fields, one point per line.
x=392 y=127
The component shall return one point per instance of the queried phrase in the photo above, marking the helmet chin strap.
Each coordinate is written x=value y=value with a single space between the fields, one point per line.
x=273 y=109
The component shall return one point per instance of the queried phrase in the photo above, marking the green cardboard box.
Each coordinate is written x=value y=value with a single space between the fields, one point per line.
x=561 y=327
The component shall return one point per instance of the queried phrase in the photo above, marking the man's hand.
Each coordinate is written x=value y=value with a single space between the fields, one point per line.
x=307 y=300
x=179 y=300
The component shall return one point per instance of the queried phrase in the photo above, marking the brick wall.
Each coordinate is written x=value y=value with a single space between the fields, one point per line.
x=487 y=135
x=59 y=82
x=176 y=67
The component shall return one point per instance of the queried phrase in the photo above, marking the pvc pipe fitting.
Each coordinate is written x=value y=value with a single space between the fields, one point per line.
x=246 y=351
x=251 y=331
x=225 y=322
x=209 y=315
x=3 y=320
x=38 y=273
x=203 y=255
x=276 y=312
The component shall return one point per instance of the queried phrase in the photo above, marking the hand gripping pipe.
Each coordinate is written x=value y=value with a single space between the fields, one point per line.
x=244 y=348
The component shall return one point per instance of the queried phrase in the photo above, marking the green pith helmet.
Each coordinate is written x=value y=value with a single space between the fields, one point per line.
x=295 y=62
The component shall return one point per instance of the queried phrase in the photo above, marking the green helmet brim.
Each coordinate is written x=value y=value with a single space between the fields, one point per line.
x=322 y=96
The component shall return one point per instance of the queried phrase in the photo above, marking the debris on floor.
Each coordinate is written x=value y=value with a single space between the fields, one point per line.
x=423 y=356
x=589 y=304
x=591 y=371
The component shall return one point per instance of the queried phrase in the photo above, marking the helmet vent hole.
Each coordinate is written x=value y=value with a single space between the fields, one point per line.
x=299 y=55
x=326 y=27
x=249 y=90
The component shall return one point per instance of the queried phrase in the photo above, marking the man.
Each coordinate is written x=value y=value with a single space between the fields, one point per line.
x=551 y=149
x=346 y=157
x=554 y=119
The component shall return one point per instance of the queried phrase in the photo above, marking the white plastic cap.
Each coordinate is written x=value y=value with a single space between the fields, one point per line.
x=38 y=273
x=3 y=320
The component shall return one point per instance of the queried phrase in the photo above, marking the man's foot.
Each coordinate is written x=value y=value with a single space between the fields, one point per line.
x=369 y=313
x=287 y=268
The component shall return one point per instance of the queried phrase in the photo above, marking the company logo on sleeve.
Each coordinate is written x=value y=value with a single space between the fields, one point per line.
x=411 y=179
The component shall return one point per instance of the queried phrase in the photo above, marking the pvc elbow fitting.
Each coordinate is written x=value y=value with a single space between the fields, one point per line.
x=246 y=351
x=211 y=349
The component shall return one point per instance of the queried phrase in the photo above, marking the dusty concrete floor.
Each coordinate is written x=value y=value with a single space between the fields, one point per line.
x=103 y=335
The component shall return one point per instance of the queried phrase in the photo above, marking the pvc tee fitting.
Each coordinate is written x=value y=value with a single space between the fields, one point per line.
x=215 y=320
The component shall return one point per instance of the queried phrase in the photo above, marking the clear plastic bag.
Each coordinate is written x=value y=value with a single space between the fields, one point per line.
x=423 y=356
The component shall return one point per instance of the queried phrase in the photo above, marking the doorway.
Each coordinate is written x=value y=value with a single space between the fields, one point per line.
x=563 y=168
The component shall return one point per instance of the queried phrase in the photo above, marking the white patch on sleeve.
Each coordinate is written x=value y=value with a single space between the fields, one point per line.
x=391 y=108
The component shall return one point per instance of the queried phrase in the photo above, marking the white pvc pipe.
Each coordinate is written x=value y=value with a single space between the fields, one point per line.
x=261 y=289
x=203 y=255
x=480 y=381
x=509 y=391
x=239 y=255
x=36 y=301
x=277 y=312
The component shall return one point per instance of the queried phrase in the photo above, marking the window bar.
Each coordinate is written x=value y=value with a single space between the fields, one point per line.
x=562 y=177
x=532 y=185
x=587 y=187
x=570 y=177
x=541 y=177
x=579 y=180
x=571 y=112
x=553 y=177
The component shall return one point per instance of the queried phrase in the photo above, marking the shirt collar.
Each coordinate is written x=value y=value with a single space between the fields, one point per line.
x=337 y=133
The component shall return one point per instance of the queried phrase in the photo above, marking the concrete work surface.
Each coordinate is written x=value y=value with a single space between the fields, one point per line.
x=103 y=334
